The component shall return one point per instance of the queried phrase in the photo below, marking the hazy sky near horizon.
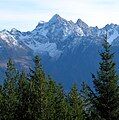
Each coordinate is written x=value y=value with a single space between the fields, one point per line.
x=25 y=14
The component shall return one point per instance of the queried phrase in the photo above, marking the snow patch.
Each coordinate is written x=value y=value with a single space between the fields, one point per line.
x=51 y=48
x=113 y=36
x=7 y=37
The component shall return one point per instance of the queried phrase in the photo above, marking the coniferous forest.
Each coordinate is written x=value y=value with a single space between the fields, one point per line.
x=36 y=96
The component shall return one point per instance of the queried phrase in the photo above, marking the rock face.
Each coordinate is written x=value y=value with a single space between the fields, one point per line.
x=69 y=50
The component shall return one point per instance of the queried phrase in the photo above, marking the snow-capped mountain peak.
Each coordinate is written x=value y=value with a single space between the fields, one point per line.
x=81 y=24
x=41 y=23
x=56 y=18
x=7 y=37
x=58 y=35
x=14 y=31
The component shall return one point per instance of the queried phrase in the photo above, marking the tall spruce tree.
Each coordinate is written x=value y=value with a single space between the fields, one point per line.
x=10 y=92
x=61 y=104
x=1 y=103
x=102 y=103
x=76 y=103
x=22 y=112
x=51 y=102
x=38 y=88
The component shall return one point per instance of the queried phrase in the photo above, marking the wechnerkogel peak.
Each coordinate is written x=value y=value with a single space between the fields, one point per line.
x=50 y=36
x=59 y=28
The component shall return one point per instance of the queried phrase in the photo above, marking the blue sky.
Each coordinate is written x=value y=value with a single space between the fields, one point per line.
x=25 y=14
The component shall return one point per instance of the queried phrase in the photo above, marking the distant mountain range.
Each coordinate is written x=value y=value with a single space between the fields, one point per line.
x=69 y=51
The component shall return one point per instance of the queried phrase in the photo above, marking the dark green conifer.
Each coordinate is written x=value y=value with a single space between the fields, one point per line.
x=61 y=104
x=10 y=91
x=1 y=103
x=22 y=112
x=76 y=103
x=38 y=88
x=51 y=95
x=102 y=103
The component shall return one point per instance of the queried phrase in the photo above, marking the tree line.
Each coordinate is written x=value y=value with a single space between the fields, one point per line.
x=36 y=96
